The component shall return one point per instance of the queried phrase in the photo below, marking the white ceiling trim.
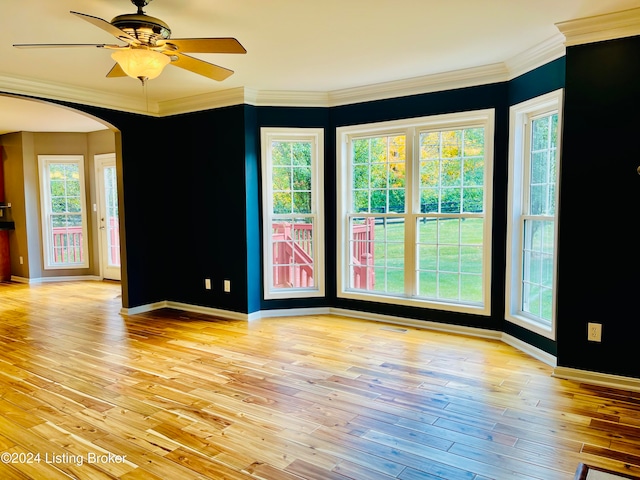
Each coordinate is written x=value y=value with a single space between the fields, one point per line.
x=601 y=27
x=483 y=75
x=52 y=91
x=535 y=57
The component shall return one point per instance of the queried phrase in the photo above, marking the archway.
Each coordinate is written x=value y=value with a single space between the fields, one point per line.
x=30 y=128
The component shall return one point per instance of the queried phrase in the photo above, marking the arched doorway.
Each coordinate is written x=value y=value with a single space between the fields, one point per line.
x=31 y=129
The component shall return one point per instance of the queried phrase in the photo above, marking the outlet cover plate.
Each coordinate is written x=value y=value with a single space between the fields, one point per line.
x=594 y=332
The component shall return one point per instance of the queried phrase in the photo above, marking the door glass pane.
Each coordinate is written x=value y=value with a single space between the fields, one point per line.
x=111 y=221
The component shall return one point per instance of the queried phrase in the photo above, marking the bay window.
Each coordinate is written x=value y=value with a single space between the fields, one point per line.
x=414 y=203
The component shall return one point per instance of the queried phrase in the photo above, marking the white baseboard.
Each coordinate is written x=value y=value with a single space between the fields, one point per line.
x=423 y=324
x=228 y=314
x=185 y=307
x=73 y=278
x=612 y=381
x=596 y=378
x=290 y=312
x=530 y=350
x=149 y=307
x=17 y=279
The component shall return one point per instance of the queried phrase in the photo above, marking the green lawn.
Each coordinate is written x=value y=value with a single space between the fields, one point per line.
x=450 y=259
x=449 y=262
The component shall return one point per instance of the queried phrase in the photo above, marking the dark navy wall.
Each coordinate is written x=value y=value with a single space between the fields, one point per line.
x=599 y=263
x=203 y=177
x=206 y=181
x=539 y=81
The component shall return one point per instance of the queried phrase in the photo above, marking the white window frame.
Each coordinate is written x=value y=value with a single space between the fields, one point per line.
x=316 y=137
x=521 y=116
x=412 y=128
x=44 y=162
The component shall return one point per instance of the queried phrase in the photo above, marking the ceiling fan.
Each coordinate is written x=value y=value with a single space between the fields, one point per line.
x=149 y=47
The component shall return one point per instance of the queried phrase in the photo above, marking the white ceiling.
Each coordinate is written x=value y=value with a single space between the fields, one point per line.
x=292 y=45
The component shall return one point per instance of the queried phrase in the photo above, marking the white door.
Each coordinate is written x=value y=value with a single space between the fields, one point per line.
x=108 y=226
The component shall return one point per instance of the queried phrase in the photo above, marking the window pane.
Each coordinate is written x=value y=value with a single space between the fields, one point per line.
x=429 y=200
x=472 y=200
x=443 y=262
x=538 y=268
x=474 y=142
x=471 y=288
x=450 y=173
x=282 y=202
x=293 y=218
x=281 y=178
x=292 y=244
x=302 y=202
x=302 y=178
x=378 y=174
x=539 y=242
x=542 y=165
x=63 y=210
x=445 y=167
x=377 y=254
x=473 y=172
x=471 y=259
x=450 y=259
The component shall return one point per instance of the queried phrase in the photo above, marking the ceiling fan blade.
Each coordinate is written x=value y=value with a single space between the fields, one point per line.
x=64 y=45
x=107 y=27
x=207 y=45
x=116 y=71
x=201 y=67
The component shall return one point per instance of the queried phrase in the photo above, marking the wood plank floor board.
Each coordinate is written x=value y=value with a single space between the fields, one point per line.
x=205 y=466
x=190 y=396
x=355 y=457
x=350 y=470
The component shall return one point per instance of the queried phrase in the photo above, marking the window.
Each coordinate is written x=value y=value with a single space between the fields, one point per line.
x=414 y=211
x=532 y=223
x=292 y=181
x=64 y=223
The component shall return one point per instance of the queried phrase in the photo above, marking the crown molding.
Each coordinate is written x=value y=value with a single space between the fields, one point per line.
x=274 y=98
x=468 y=77
x=207 y=101
x=537 y=56
x=601 y=27
x=54 y=91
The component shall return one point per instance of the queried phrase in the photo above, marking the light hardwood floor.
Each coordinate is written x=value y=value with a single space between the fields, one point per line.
x=88 y=393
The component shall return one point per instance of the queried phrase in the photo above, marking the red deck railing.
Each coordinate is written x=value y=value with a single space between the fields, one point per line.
x=363 y=235
x=68 y=244
x=292 y=245
x=292 y=249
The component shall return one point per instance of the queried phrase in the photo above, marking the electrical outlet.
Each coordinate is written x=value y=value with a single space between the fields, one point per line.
x=594 y=332
x=207 y=283
x=227 y=286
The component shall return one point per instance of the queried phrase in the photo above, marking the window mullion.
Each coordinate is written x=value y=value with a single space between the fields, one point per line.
x=412 y=194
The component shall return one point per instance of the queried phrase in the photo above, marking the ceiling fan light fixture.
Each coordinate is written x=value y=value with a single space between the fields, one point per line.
x=141 y=63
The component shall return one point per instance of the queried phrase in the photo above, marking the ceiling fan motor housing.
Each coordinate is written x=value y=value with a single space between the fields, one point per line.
x=143 y=27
